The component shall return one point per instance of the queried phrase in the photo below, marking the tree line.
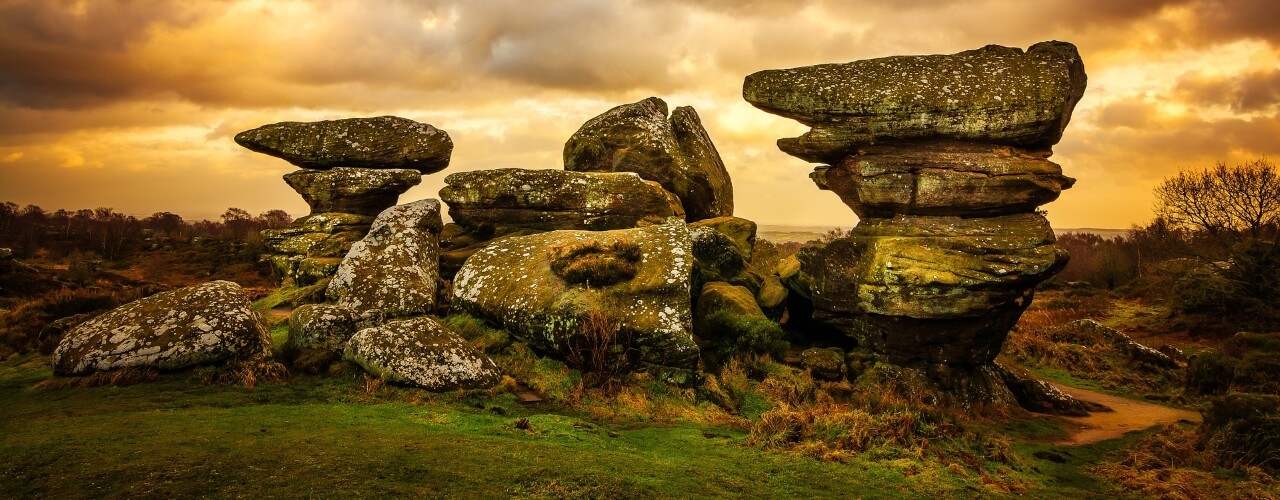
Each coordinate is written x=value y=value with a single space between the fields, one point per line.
x=32 y=231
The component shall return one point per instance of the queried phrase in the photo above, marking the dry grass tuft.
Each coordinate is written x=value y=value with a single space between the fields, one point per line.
x=115 y=378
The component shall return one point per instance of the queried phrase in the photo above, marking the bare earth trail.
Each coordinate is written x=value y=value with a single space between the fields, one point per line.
x=1129 y=415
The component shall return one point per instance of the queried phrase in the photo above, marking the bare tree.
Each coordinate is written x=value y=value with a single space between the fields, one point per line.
x=1242 y=200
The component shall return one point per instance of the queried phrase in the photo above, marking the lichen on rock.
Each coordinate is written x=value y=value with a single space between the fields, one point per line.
x=421 y=352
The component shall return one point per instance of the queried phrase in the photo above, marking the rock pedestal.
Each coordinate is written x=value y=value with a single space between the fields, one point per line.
x=353 y=169
x=944 y=159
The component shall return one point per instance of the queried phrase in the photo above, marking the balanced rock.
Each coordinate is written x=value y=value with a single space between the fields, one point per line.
x=993 y=94
x=202 y=324
x=394 y=269
x=542 y=287
x=555 y=199
x=935 y=289
x=359 y=191
x=943 y=178
x=676 y=153
x=421 y=352
x=381 y=142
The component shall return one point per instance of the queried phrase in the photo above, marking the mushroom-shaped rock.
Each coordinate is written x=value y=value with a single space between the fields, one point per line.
x=542 y=287
x=555 y=199
x=202 y=324
x=676 y=153
x=359 y=191
x=993 y=94
x=381 y=142
x=943 y=178
x=395 y=267
x=421 y=352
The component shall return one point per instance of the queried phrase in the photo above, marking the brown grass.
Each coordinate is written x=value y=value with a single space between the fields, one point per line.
x=1168 y=464
x=247 y=372
x=115 y=378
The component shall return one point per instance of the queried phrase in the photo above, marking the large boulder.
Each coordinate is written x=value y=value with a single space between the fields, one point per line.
x=359 y=191
x=381 y=142
x=421 y=352
x=202 y=324
x=937 y=289
x=485 y=200
x=319 y=327
x=542 y=287
x=993 y=94
x=943 y=178
x=395 y=268
x=718 y=296
x=675 y=152
x=741 y=232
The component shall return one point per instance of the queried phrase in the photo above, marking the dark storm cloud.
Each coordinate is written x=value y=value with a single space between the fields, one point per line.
x=1250 y=92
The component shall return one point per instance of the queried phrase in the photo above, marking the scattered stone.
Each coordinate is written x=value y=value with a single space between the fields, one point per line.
x=943 y=178
x=824 y=364
x=423 y=353
x=394 y=269
x=720 y=296
x=993 y=94
x=483 y=200
x=381 y=142
x=676 y=153
x=358 y=191
x=324 y=328
x=1173 y=352
x=511 y=283
x=1040 y=396
x=196 y=325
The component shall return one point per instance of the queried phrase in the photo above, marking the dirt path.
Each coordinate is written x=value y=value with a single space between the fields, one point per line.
x=1129 y=415
x=278 y=315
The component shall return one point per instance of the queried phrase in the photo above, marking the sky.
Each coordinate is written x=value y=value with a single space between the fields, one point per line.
x=133 y=104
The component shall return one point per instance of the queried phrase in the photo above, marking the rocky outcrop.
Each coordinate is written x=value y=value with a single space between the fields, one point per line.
x=196 y=325
x=719 y=296
x=945 y=160
x=358 y=191
x=676 y=153
x=394 y=268
x=353 y=169
x=381 y=142
x=421 y=352
x=994 y=94
x=485 y=200
x=542 y=287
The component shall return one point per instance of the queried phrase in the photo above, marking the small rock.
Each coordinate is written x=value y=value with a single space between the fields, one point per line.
x=824 y=364
x=423 y=353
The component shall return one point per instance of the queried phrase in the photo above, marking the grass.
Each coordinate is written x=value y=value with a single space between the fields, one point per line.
x=324 y=436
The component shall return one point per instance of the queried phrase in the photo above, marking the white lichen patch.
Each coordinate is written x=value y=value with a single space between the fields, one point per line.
x=172 y=330
x=421 y=352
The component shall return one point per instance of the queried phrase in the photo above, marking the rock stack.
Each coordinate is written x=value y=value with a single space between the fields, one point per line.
x=944 y=159
x=627 y=167
x=352 y=169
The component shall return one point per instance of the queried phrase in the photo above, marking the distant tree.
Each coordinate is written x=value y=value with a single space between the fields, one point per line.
x=275 y=219
x=164 y=222
x=238 y=222
x=1243 y=200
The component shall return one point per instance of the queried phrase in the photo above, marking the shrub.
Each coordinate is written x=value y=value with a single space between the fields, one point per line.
x=1243 y=430
x=601 y=350
x=733 y=334
x=1210 y=374
x=595 y=263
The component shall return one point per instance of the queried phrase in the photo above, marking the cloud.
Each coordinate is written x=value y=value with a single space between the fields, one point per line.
x=1248 y=92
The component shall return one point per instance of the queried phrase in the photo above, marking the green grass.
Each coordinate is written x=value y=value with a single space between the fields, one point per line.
x=322 y=436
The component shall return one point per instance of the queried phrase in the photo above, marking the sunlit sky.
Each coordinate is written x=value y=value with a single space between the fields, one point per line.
x=132 y=104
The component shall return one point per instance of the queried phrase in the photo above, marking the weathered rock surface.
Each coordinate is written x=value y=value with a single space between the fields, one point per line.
x=381 y=142
x=824 y=364
x=196 y=325
x=421 y=352
x=359 y=191
x=394 y=269
x=540 y=288
x=993 y=94
x=719 y=296
x=943 y=178
x=717 y=257
x=937 y=289
x=319 y=327
x=741 y=232
x=675 y=152
x=555 y=199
